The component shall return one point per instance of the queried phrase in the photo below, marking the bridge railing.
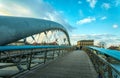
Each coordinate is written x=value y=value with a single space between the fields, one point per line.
x=105 y=61
x=16 y=59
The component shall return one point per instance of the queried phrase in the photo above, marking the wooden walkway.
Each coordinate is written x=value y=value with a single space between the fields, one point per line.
x=74 y=65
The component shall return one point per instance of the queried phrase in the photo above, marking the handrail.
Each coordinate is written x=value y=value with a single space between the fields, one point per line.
x=27 y=57
x=105 y=61
x=112 y=53
x=25 y=47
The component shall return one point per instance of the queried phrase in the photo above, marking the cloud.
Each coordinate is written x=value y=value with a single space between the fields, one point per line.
x=109 y=39
x=39 y=9
x=81 y=13
x=117 y=3
x=106 y=6
x=92 y=3
x=103 y=18
x=86 y=20
x=79 y=2
x=115 y=26
x=19 y=10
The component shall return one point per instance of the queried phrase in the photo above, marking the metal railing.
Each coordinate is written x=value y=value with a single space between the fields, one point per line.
x=106 y=62
x=16 y=59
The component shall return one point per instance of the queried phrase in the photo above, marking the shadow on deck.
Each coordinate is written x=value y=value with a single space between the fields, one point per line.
x=74 y=65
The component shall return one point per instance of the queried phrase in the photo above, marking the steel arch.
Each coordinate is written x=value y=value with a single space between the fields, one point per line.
x=16 y=28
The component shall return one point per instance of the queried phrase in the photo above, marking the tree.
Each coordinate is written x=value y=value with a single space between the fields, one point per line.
x=113 y=47
x=102 y=44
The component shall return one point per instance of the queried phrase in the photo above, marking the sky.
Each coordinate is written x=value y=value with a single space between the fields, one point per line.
x=84 y=19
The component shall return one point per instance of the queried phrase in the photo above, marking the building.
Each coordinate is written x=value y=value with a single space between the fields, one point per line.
x=82 y=43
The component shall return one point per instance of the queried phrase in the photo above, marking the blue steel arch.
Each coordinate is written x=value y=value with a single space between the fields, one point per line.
x=16 y=28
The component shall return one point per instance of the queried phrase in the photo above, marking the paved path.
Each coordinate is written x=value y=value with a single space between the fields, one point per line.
x=74 y=65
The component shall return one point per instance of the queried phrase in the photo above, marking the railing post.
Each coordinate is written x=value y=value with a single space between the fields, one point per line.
x=45 y=56
x=0 y=54
x=103 y=63
x=62 y=52
x=109 y=68
x=27 y=61
x=59 y=51
x=53 y=53
x=29 y=65
x=17 y=61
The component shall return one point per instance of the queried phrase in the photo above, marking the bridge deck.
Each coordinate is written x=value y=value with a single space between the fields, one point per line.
x=74 y=65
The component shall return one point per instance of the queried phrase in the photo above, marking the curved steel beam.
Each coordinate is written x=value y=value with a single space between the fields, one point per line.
x=16 y=28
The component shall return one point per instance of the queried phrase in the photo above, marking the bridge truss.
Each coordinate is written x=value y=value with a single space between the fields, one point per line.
x=27 y=42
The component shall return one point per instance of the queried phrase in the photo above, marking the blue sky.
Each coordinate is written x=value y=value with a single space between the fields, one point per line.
x=84 y=19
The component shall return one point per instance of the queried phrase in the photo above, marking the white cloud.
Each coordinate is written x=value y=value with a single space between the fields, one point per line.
x=103 y=18
x=86 y=20
x=92 y=3
x=79 y=2
x=81 y=13
x=61 y=12
x=117 y=3
x=109 y=39
x=106 y=5
x=13 y=9
x=115 y=26
x=1 y=5
x=40 y=9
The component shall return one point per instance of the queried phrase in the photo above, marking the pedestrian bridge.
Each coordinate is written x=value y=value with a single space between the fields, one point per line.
x=35 y=48
x=75 y=64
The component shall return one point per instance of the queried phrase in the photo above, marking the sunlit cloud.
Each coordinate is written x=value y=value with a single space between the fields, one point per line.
x=41 y=10
x=115 y=26
x=106 y=6
x=22 y=10
x=3 y=12
x=92 y=3
x=103 y=18
x=109 y=39
x=86 y=20
x=13 y=9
